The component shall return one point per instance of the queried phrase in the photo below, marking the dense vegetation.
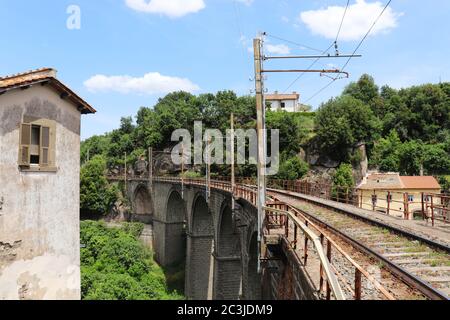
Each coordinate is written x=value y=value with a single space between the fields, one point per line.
x=153 y=127
x=406 y=131
x=115 y=265
x=96 y=194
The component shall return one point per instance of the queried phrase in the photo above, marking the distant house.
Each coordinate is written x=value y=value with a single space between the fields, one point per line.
x=287 y=102
x=40 y=187
x=395 y=194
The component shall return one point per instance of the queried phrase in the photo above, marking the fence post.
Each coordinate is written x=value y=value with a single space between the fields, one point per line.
x=405 y=206
x=306 y=246
x=321 y=268
x=374 y=200
x=432 y=210
x=389 y=202
x=361 y=198
x=328 y=280
x=423 y=205
x=357 y=284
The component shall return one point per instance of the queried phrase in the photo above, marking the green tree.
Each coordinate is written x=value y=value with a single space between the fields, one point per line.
x=341 y=123
x=386 y=153
x=95 y=145
x=419 y=112
x=291 y=133
x=96 y=194
x=436 y=159
x=365 y=90
x=343 y=181
x=411 y=158
x=292 y=169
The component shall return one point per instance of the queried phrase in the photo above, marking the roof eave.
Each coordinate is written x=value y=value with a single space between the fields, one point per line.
x=82 y=105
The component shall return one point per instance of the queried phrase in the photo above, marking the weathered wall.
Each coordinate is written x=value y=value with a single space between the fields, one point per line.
x=39 y=219
x=397 y=204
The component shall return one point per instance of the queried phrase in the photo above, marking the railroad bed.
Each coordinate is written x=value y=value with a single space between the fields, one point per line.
x=420 y=264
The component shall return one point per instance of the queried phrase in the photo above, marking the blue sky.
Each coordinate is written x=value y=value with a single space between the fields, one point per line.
x=128 y=53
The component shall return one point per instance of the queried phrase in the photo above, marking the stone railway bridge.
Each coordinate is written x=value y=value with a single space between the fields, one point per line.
x=216 y=239
x=217 y=243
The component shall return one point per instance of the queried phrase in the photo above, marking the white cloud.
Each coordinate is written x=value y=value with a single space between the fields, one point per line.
x=170 y=8
x=360 y=16
x=150 y=83
x=277 y=49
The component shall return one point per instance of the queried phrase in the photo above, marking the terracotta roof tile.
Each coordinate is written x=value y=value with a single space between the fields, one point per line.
x=393 y=181
x=43 y=75
x=291 y=96
x=424 y=182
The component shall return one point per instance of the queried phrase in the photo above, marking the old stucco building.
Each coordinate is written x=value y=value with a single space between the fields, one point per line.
x=286 y=102
x=39 y=189
x=397 y=195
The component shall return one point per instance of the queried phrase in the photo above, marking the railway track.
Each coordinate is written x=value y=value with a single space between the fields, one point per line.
x=422 y=266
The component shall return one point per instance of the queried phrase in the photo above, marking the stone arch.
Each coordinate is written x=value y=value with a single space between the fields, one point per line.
x=228 y=270
x=142 y=205
x=175 y=240
x=253 y=277
x=200 y=247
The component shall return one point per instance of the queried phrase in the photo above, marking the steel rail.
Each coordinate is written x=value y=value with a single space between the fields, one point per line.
x=404 y=233
x=401 y=273
x=372 y=279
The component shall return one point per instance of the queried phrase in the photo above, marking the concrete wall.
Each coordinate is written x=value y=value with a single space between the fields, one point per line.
x=39 y=219
x=290 y=105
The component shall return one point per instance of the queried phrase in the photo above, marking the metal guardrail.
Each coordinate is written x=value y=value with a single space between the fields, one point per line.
x=325 y=265
x=292 y=214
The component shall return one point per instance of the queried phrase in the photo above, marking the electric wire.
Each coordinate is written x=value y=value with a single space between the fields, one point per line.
x=354 y=52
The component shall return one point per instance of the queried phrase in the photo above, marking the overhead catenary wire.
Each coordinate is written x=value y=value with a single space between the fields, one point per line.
x=239 y=25
x=324 y=52
x=309 y=68
x=342 y=22
x=368 y=32
x=356 y=49
x=292 y=42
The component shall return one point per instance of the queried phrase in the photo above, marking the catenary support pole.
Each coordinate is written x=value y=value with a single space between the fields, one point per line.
x=260 y=119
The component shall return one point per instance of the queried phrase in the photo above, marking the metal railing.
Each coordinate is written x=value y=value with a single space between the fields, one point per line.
x=332 y=283
x=293 y=222
x=409 y=205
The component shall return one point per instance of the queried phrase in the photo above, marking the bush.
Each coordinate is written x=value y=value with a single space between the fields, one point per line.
x=292 y=169
x=192 y=175
x=343 y=181
x=115 y=265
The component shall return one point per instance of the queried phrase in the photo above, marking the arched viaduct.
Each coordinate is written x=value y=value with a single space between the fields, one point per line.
x=217 y=243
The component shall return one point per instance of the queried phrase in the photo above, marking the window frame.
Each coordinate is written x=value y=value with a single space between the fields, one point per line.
x=46 y=145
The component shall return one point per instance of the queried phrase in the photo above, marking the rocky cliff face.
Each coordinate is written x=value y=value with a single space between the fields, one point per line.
x=323 y=167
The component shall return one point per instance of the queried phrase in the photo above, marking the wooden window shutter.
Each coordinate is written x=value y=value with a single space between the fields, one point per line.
x=25 y=140
x=45 y=146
